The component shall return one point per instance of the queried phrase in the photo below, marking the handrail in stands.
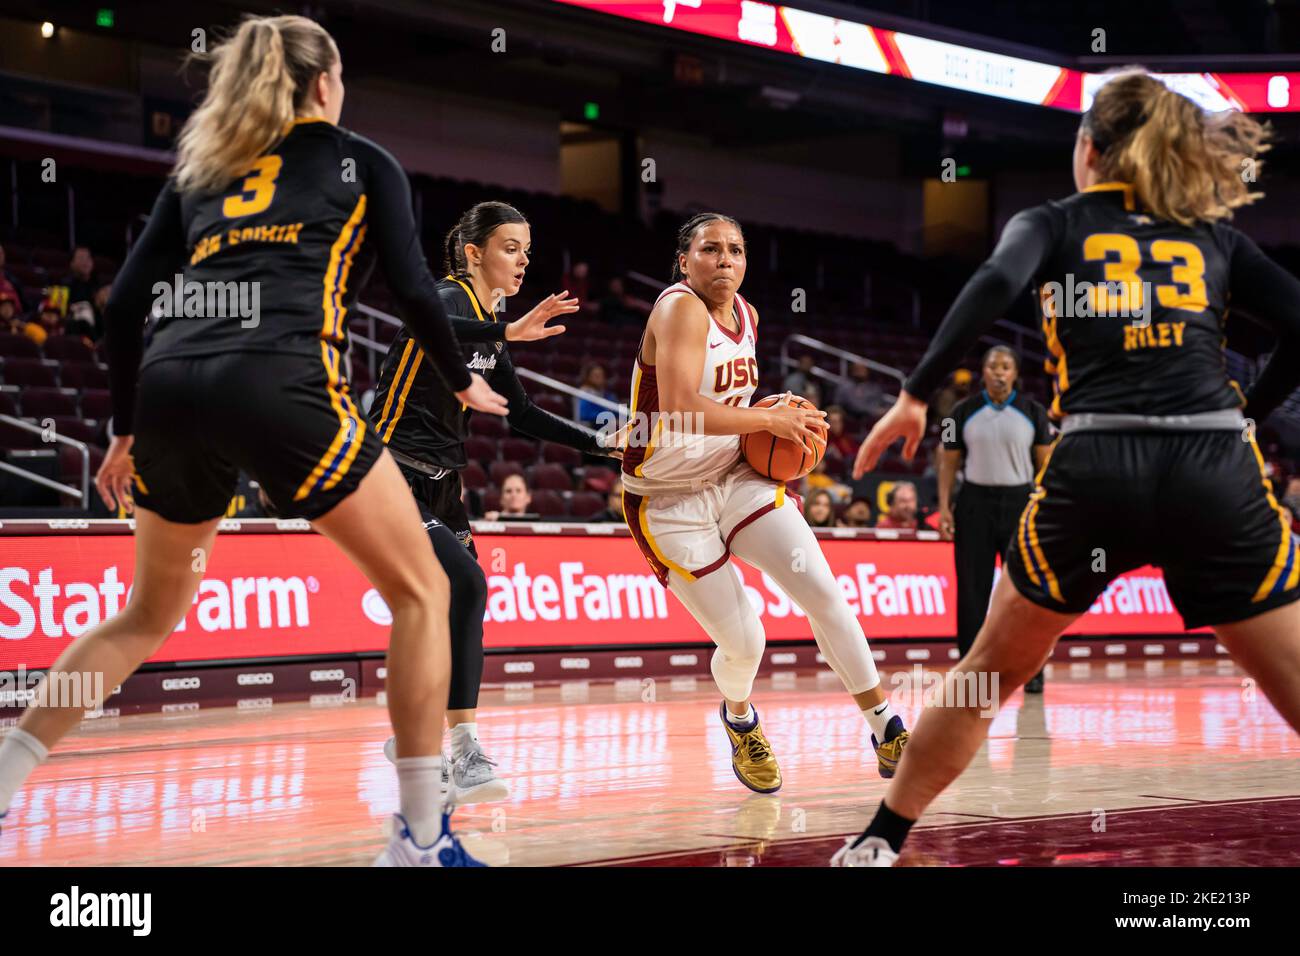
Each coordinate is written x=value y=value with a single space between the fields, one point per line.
x=84 y=494
x=844 y=356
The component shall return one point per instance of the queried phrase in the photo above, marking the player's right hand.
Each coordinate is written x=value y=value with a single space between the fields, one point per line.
x=532 y=325
x=802 y=425
x=480 y=397
x=906 y=420
x=116 y=472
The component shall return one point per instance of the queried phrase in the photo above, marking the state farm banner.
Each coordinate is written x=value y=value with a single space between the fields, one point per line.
x=279 y=595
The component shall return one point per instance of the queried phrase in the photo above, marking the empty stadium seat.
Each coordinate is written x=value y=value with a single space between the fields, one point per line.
x=29 y=371
x=69 y=348
x=584 y=504
x=480 y=449
x=78 y=375
x=96 y=403
x=561 y=455
x=548 y=504
x=489 y=426
x=473 y=476
x=552 y=477
x=522 y=450
x=501 y=470
x=18 y=346
x=44 y=402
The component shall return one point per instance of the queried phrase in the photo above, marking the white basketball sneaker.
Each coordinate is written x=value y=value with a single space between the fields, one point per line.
x=474 y=780
x=402 y=850
x=872 y=851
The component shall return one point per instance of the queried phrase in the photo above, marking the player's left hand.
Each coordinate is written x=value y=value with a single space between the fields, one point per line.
x=116 y=473
x=905 y=420
x=532 y=326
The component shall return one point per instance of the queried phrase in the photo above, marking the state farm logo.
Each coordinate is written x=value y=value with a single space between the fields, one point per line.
x=320 y=677
x=250 y=680
x=55 y=609
x=375 y=609
x=180 y=683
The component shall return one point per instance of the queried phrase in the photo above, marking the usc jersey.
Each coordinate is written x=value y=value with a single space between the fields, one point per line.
x=663 y=453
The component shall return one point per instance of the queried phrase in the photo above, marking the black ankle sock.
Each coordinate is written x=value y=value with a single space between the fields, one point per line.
x=889 y=826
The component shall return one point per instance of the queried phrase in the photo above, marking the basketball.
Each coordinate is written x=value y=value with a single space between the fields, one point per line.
x=780 y=458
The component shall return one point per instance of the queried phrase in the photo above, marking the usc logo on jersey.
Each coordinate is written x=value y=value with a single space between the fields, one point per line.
x=738 y=373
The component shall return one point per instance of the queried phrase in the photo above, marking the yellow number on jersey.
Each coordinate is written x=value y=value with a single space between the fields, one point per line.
x=1127 y=299
x=257 y=190
x=1188 y=270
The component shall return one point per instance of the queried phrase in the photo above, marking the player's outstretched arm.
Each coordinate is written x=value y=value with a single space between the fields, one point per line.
x=679 y=327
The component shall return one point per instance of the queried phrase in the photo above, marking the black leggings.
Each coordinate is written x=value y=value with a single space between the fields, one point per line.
x=448 y=526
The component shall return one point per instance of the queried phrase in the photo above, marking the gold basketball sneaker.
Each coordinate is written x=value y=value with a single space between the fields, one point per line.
x=752 y=759
x=891 y=751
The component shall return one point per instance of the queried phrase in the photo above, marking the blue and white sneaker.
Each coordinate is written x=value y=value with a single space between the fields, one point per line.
x=402 y=850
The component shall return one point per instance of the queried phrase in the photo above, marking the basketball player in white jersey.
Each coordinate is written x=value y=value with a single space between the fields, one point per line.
x=692 y=501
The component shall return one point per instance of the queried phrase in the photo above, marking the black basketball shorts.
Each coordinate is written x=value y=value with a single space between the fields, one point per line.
x=1195 y=504
x=289 y=421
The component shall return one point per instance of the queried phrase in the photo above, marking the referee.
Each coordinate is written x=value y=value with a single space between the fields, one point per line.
x=1001 y=437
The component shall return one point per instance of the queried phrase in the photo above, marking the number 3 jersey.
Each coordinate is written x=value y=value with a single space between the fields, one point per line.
x=274 y=260
x=667 y=453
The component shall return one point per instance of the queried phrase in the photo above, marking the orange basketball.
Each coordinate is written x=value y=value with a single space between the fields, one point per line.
x=780 y=458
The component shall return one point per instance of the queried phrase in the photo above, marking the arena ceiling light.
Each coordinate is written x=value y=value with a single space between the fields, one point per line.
x=877 y=50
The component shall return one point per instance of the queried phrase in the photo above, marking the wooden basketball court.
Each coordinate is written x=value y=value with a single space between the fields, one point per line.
x=1159 y=763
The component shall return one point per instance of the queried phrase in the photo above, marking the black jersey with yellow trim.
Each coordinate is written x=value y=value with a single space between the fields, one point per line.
x=416 y=414
x=283 y=250
x=273 y=261
x=1133 y=307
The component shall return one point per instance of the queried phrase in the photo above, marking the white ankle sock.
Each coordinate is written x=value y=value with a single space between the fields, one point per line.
x=420 y=782
x=462 y=736
x=741 y=721
x=879 y=716
x=20 y=754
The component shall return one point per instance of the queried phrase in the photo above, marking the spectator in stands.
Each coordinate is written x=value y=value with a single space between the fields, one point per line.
x=857 y=514
x=594 y=380
x=613 y=504
x=819 y=509
x=837 y=437
x=11 y=321
x=82 y=285
x=621 y=307
x=820 y=479
x=859 y=395
x=49 y=321
x=902 y=507
x=799 y=379
x=958 y=388
x=9 y=282
x=516 y=499
x=577 y=281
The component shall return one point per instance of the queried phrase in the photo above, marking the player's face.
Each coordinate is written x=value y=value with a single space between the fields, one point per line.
x=716 y=260
x=505 y=259
x=999 y=375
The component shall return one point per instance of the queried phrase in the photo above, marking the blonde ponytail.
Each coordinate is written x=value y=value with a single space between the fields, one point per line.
x=260 y=77
x=1186 y=165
